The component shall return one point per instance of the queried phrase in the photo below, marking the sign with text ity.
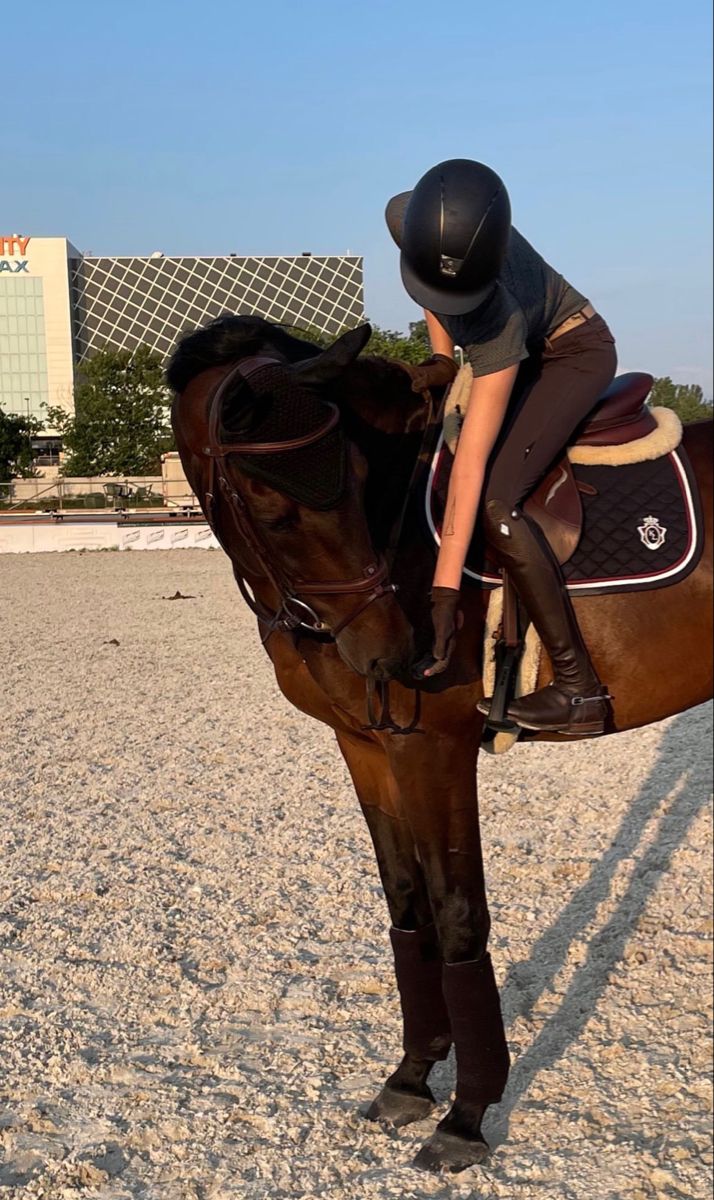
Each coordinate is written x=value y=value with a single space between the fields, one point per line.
x=15 y=248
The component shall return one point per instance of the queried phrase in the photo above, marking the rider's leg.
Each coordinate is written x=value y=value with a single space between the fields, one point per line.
x=576 y=701
x=573 y=372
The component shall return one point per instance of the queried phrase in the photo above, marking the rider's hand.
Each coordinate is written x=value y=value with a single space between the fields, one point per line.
x=446 y=620
x=437 y=371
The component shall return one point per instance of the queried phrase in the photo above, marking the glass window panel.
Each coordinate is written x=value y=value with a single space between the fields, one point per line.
x=23 y=361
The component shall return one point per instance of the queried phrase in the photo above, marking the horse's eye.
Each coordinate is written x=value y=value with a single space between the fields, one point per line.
x=281 y=524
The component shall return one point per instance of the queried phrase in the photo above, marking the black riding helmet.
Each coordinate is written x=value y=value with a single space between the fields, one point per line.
x=454 y=235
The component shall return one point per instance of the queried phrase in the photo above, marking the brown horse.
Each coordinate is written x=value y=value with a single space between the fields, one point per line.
x=302 y=460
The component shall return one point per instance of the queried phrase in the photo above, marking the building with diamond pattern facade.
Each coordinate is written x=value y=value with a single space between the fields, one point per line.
x=58 y=307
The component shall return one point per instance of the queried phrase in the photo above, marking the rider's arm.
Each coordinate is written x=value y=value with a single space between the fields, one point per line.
x=441 y=342
x=484 y=417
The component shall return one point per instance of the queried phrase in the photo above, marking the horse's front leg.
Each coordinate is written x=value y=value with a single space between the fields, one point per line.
x=436 y=777
x=406 y=1095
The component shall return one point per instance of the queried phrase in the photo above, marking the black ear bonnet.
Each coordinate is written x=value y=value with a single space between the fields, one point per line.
x=274 y=405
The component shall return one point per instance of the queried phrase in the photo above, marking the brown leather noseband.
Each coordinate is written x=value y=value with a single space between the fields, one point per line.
x=293 y=612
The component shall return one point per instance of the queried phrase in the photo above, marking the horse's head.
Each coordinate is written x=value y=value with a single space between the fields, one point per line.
x=262 y=445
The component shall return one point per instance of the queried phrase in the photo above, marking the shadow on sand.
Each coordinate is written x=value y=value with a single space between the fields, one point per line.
x=688 y=779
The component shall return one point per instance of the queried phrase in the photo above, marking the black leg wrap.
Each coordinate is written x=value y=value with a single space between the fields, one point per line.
x=418 y=968
x=482 y=1058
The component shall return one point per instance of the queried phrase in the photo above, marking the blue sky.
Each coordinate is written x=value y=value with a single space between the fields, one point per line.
x=282 y=127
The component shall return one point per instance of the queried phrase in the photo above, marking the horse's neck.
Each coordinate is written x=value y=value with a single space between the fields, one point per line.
x=379 y=392
x=386 y=421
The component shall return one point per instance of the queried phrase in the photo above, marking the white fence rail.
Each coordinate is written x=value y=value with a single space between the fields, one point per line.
x=42 y=537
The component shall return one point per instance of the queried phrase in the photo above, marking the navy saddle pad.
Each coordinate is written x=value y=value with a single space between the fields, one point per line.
x=642 y=528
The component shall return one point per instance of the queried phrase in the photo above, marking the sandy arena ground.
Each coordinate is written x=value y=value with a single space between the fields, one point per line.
x=196 y=993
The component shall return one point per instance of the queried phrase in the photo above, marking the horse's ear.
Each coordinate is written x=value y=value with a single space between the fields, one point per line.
x=241 y=410
x=332 y=362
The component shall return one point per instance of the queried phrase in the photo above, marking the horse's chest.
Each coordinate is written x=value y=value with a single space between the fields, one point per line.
x=315 y=680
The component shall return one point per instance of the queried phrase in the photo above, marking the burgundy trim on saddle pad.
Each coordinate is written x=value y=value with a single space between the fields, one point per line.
x=643 y=526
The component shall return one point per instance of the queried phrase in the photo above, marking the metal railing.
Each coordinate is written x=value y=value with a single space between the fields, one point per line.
x=58 y=495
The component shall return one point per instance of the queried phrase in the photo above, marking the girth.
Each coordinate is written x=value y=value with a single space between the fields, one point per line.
x=293 y=612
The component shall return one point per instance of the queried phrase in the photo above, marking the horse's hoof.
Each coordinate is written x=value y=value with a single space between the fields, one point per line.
x=446 y=1152
x=396 y=1108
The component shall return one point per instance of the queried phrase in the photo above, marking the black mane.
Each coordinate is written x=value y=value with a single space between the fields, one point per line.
x=227 y=339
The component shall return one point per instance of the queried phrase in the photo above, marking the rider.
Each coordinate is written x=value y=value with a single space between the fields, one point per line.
x=541 y=357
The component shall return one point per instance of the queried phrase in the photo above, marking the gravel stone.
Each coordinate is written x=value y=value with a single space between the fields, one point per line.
x=196 y=989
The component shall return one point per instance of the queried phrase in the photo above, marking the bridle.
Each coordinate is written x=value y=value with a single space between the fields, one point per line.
x=293 y=612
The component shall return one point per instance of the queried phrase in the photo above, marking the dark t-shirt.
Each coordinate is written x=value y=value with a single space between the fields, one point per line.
x=530 y=301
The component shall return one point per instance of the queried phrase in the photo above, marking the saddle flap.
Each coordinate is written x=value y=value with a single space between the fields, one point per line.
x=556 y=506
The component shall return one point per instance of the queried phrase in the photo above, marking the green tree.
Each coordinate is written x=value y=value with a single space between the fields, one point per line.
x=120 y=424
x=16 y=453
x=687 y=399
x=387 y=343
x=410 y=347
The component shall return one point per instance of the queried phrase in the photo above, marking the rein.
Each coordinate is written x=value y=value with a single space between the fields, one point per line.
x=293 y=612
x=423 y=458
x=384 y=722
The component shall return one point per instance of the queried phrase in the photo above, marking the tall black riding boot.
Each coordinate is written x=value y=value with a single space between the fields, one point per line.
x=575 y=702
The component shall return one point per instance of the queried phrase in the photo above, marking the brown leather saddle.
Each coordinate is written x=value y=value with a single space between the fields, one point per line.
x=620 y=416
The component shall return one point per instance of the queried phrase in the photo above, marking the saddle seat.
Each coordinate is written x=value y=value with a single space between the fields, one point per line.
x=620 y=416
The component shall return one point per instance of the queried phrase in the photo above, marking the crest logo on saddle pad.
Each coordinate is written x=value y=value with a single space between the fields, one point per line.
x=652 y=534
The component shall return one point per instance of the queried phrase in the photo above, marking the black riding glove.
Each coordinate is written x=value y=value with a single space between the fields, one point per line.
x=437 y=371
x=446 y=620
